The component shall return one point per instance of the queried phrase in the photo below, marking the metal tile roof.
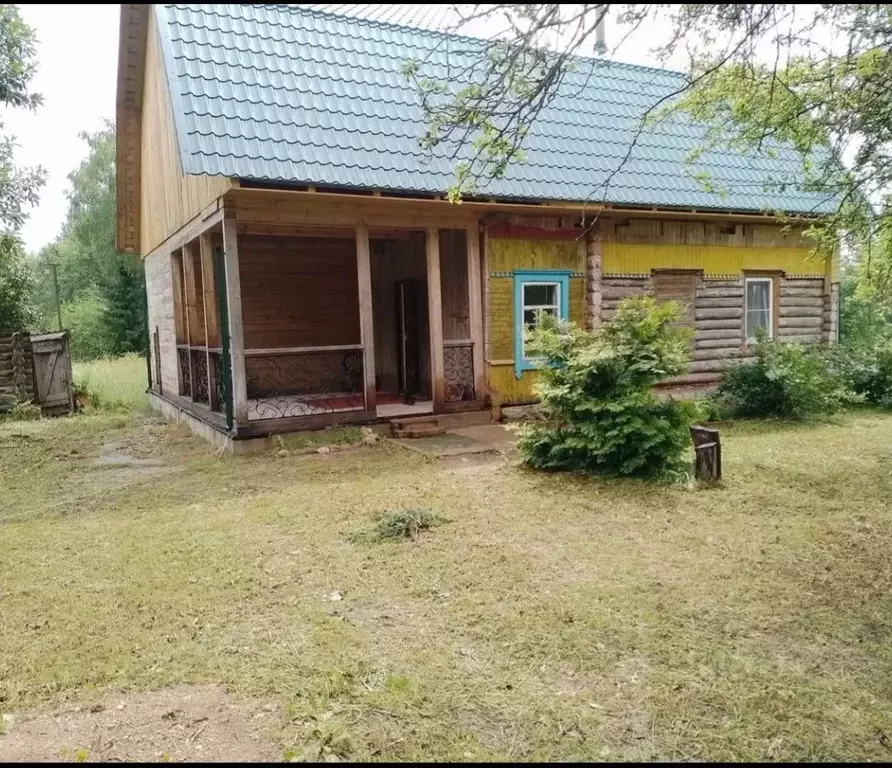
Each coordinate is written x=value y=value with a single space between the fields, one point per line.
x=281 y=93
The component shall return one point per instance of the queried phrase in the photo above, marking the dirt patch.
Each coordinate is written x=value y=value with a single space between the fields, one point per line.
x=181 y=723
x=119 y=467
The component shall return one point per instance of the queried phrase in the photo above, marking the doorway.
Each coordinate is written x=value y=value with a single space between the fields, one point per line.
x=402 y=334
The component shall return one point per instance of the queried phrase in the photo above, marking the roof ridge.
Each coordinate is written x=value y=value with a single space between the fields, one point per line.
x=306 y=8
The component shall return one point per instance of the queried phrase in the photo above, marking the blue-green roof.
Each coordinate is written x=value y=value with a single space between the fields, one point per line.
x=280 y=93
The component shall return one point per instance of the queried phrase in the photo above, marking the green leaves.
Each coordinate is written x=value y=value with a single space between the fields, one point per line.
x=18 y=186
x=601 y=415
x=103 y=291
x=786 y=380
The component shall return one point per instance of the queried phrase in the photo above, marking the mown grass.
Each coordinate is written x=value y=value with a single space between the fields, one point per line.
x=116 y=383
x=555 y=617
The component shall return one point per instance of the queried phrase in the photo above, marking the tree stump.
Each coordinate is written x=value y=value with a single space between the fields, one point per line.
x=708 y=454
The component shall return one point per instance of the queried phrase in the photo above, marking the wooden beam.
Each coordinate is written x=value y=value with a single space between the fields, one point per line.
x=211 y=319
x=272 y=351
x=194 y=322
x=209 y=218
x=188 y=308
x=435 y=317
x=366 y=314
x=475 y=307
x=236 y=328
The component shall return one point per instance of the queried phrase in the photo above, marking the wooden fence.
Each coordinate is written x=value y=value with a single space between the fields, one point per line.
x=36 y=368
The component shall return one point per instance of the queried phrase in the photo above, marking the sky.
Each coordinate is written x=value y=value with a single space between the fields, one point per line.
x=78 y=57
x=77 y=75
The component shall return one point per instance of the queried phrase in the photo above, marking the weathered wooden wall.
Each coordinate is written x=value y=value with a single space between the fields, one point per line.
x=625 y=257
x=454 y=285
x=298 y=291
x=160 y=296
x=168 y=198
x=16 y=369
x=393 y=260
x=510 y=248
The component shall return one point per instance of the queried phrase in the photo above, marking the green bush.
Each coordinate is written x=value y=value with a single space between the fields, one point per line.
x=599 y=413
x=786 y=380
x=85 y=320
x=870 y=373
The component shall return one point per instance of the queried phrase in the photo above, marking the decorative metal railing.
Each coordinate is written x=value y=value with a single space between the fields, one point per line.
x=185 y=371
x=200 y=381
x=201 y=377
x=304 y=381
x=216 y=373
x=458 y=370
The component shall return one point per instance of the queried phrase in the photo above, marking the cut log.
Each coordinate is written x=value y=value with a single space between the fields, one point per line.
x=624 y=282
x=816 y=311
x=714 y=325
x=722 y=302
x=802 y=301
x=720 y=354
x=705 y=284
x=720 y=333
x=717 y=366
x=725 y=342
x=610 y=292
x=801 y=322
x=707 y=454
x=689 y=379
x=801 y=293
x=720 y=314
x=802 y=338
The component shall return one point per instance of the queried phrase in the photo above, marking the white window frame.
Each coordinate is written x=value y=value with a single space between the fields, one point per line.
x=746 y=308
x=524 y=308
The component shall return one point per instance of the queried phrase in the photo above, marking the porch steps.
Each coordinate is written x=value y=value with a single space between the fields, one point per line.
x=417 y=426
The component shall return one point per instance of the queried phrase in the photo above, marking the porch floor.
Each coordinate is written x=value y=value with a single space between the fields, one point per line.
x=393 y=410
x=282 y=406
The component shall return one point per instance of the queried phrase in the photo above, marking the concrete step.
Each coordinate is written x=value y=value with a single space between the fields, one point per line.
x=409 y=422
x=431 y=430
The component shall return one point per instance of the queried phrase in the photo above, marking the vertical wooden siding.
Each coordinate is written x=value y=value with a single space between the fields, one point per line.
x=298 y=291
x=168 y=199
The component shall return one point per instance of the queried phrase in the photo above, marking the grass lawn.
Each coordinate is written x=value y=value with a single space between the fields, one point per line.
x=553 y=617
x=117 y=383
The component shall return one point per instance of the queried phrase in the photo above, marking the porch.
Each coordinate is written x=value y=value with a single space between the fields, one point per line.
x=302 y=324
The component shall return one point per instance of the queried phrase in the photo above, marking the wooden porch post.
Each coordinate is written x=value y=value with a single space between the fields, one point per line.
x=190 y=312
x=435 y=317
x=366 y=316
x=475 y=307
x=211 y=321
x=236 y=329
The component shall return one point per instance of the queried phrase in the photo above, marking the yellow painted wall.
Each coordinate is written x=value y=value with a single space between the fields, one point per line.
x=504 y=256
x=641 y=258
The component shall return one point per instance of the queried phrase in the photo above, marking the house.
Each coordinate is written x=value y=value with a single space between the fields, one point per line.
x=303 y=268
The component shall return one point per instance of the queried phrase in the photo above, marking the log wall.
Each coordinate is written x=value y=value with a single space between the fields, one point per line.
x=16 y=369
x=624 y=255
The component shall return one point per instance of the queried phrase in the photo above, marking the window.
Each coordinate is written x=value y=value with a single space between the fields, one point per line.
x=535 y=291
x=759 y=309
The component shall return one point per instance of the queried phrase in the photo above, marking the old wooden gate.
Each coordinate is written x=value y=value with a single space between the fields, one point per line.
x=53 y=390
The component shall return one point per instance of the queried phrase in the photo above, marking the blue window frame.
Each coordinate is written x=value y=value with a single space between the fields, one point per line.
x=535 y=290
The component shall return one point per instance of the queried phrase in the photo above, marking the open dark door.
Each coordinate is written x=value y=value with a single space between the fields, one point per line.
x=408 y=300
